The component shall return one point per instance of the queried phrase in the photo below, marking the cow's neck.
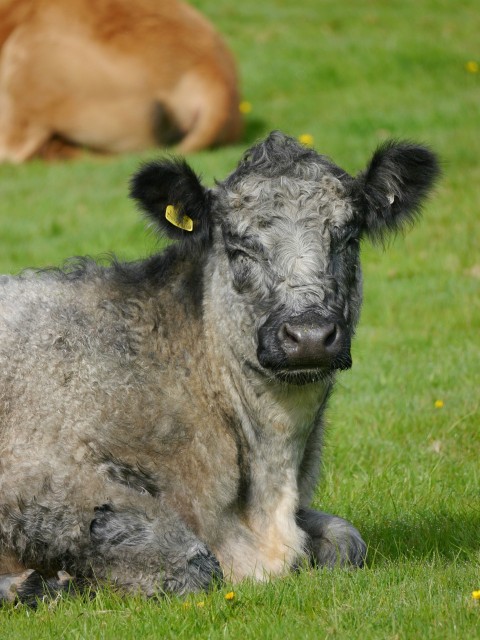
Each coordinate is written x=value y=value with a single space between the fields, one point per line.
x=272 y=423
x=275 y=423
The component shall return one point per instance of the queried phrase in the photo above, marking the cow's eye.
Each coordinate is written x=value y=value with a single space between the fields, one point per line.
x=241 y=264
x=238 y=255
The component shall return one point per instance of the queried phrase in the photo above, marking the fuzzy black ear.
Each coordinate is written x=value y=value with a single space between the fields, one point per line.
x=171 y=194
x=391 y=190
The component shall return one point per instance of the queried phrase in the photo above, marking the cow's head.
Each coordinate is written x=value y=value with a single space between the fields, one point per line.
x=283 y=235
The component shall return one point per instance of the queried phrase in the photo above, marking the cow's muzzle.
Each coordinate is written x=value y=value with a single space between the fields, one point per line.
x=307 y=343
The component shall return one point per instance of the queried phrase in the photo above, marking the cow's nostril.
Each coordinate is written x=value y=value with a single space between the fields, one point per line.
x=331 y=336
x=287 y=333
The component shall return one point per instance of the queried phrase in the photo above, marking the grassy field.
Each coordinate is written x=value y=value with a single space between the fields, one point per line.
x=403 y=449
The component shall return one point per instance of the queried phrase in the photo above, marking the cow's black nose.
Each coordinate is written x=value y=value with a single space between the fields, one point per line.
x=306 y=341
x=308 y=344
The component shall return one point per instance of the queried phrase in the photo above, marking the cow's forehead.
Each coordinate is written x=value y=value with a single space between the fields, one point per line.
x=264 y=202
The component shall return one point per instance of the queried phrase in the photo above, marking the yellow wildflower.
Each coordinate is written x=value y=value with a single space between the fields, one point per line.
x=472 y=66
x=230 y=595
x=306 y=139
x=245 y=107
x=476 y=594
x=439 y=404
x=201 y=603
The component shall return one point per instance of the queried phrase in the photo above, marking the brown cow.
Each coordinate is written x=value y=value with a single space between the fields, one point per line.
x=112 y=75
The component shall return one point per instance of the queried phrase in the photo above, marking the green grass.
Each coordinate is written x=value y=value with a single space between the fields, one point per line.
x=405 y=472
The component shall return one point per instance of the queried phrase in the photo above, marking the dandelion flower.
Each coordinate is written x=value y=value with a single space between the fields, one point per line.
x=306 y=139
x=230 y=595
x=472 y=66
x=439 y=404
x=245 y=107
x=476 y=594
x=201 y=603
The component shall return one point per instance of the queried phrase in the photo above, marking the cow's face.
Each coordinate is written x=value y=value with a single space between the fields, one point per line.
x=293 y=260
x=283 y=232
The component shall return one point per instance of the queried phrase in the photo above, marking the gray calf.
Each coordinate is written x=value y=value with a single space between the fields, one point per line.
x=161 y=421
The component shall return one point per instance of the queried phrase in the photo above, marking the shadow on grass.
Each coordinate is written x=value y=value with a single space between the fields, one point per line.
x=419 y=536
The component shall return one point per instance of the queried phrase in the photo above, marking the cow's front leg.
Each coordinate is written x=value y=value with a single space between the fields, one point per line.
x=333 y=541
x=149 y=554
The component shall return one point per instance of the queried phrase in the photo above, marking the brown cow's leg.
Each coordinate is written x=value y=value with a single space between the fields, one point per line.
x=205 y=110
x=20 y=139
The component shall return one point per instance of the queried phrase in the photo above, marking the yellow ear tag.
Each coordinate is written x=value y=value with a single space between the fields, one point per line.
x=177 y=219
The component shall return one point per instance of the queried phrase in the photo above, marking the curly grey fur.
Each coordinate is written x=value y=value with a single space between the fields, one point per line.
x=141 y=439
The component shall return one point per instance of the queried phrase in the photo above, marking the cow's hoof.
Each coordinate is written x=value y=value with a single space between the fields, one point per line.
x=20 y=586
x=183 y=562
x=29 y=586
x=200 y=572
x=340 y=544
x=332 y=541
